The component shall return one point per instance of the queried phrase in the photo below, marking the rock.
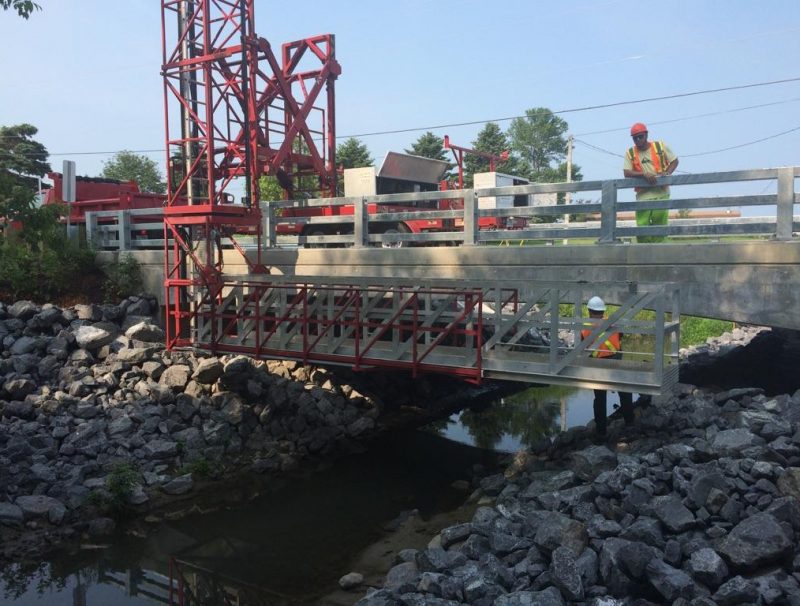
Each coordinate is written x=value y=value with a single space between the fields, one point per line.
x=668 y=581
x=23 y=310
x=754 y=542
x=175 y=377
x=590 y=462
x=10 y=514
x=405 y=574
x=547 y=597
x=555 y=530
x=730 y=442
x=208 y=371
x=789 y=482
x=673 y=514
x=707 y=567
x=735 y=592
x=180 y=485
x=41 y=506
x=143 y=331
x=564 y=574
x=92 y=337
x=351 y=580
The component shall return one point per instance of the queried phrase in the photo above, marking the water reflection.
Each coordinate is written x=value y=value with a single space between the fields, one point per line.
x=510 y=423
x=273 y=544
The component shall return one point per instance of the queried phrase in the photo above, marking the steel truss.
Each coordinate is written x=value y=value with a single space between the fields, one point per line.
x=234 y=112
x=506 y=331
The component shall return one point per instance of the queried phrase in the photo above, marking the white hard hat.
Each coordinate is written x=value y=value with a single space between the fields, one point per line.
x=596 y=304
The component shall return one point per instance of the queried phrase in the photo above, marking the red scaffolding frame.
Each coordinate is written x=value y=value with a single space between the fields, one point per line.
x=234 y=112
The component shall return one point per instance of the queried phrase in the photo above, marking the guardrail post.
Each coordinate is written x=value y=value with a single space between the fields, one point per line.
x=124 y=230
x=470 y=218
x=783 y=226
x=608 y=213
x=268 y=226
x=91 y=227
x=360 y=225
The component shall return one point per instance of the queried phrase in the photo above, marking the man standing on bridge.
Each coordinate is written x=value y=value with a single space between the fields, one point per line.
x=606 y=345
x=649 y=160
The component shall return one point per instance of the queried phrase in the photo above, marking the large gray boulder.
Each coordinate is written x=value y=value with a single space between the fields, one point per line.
x=754 y=542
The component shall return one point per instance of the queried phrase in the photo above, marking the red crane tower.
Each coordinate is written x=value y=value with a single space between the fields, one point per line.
x=234 y=112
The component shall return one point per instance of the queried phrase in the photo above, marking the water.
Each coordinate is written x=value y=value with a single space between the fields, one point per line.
x=285 y=543
x=519 y=421
x=288 y=542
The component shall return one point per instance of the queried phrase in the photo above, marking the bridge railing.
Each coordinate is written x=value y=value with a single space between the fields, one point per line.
x=461 y=216
x=392 y=220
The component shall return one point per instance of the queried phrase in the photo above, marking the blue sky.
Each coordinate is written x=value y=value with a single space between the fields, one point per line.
x=86 y=73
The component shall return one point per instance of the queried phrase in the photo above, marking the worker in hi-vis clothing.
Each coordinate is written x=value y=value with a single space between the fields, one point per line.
x=606 y=345
x=649 y=160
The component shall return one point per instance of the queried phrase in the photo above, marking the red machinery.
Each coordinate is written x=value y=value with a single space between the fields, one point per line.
x=233 y=112
x=399 y=173
x=97 y=194
x=458 y=154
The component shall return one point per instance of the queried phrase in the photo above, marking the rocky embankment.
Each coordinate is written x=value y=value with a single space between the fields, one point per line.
x=96 y=415
x=697 y=504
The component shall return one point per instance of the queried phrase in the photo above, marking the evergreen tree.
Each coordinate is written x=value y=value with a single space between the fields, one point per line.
x=428 y=146
x=491 y=140
x=353 y=154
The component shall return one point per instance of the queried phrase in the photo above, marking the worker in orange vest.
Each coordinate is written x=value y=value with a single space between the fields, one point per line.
x=649 y=160
x=606 y=345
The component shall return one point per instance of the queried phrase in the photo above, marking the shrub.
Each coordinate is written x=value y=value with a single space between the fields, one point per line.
x=123 y=278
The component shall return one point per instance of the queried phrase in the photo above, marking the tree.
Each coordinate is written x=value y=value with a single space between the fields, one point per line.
x=269 y=188
x=353 y=154
x=21 y=157
x=428 y=146
x=539 y=140
x=492 y=140
x=128 y=166
x=24 y=8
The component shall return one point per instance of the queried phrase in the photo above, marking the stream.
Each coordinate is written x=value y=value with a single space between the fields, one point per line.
x=290 y=541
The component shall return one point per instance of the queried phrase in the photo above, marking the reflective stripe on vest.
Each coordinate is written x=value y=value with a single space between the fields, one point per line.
x=609 y=344
x=657 y=157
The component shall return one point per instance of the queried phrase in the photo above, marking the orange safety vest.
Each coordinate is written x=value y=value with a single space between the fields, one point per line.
x=657 y=156
x=610 y=344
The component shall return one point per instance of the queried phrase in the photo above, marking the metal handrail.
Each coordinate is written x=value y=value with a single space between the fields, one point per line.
x=112 y=229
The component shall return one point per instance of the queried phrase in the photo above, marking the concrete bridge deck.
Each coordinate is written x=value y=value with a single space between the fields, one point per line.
x=750 y=281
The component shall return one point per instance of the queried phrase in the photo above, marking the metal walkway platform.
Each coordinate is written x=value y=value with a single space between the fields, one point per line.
x=513 y=331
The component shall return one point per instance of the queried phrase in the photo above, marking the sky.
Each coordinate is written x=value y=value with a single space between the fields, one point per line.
x=86 y=74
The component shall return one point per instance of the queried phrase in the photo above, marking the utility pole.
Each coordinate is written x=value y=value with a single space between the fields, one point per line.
x=568 y=195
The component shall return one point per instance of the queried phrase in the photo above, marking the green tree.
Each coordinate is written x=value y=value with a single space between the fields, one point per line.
x=270 y=189
x=353 y=154
x=128 y=166
x=539 y=139
x=428 y=146
x=22 y=158
x=24 y=8
x=491 y=140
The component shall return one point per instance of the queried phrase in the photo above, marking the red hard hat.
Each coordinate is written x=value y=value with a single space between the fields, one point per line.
x=638 y=128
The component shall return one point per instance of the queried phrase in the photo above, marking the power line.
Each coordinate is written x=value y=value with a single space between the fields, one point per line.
x=563 y=111
x=705 y=153
x=716 y=151
x=580 y=109
x=693 y=117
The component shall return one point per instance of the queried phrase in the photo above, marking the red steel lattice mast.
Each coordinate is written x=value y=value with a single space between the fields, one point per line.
x=233 y=113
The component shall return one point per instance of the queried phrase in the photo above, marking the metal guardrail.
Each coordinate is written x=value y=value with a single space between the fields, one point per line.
x=117 y=229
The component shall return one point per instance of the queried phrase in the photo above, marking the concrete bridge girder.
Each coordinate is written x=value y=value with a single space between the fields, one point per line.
x=754 y=281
